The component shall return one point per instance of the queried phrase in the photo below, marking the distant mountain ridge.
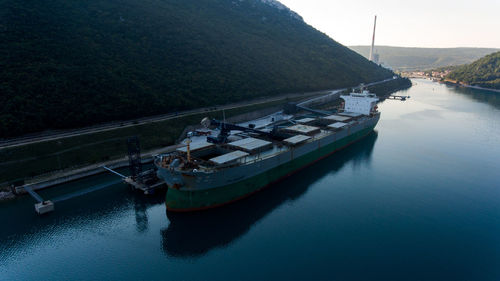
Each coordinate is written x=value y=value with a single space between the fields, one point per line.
x=411 y=59
x=484 y=72
x=67 y=64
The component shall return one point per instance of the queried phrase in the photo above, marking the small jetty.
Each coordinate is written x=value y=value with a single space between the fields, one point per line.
x=43 y=206
x=397 y=97
x=146 y=181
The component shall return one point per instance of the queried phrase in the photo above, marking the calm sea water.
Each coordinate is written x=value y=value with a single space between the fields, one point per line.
x=418 y=199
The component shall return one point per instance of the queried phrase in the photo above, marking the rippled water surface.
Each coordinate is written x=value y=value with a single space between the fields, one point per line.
x=418 y=199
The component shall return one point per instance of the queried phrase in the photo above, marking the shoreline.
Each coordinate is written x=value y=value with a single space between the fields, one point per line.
x=71 y=174
x=458 y=84
x=480 y=88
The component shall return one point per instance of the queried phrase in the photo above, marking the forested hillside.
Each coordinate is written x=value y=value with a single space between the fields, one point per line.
x=65 y=64
x=411 y=59
x=484 y=72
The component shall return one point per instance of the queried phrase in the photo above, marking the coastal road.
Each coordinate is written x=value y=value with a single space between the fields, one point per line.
x=54 y=135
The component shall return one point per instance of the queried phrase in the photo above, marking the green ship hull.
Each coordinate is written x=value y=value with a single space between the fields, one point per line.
x=185 y=200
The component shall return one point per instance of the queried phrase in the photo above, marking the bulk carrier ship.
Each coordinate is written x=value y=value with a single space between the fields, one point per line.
x=234 y=161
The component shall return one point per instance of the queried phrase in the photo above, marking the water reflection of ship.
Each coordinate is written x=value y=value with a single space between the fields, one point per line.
x=194 y=234
x=141 y=206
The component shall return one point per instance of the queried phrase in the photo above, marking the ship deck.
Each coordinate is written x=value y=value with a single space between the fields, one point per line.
x=211 y=158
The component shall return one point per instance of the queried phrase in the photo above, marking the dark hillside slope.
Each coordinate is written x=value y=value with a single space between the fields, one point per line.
x=484 y=72
x=65 y=64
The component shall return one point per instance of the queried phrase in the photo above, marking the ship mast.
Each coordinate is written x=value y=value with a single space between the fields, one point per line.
x=188 y=150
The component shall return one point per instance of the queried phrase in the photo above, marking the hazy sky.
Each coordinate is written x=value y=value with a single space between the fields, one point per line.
x=424 y=23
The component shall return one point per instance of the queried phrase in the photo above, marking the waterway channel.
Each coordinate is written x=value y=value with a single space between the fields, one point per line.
x=418 y=199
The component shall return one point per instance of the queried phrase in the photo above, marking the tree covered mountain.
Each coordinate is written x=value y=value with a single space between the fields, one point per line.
x=411 y=59
x=65 y=64
x=484 y=72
